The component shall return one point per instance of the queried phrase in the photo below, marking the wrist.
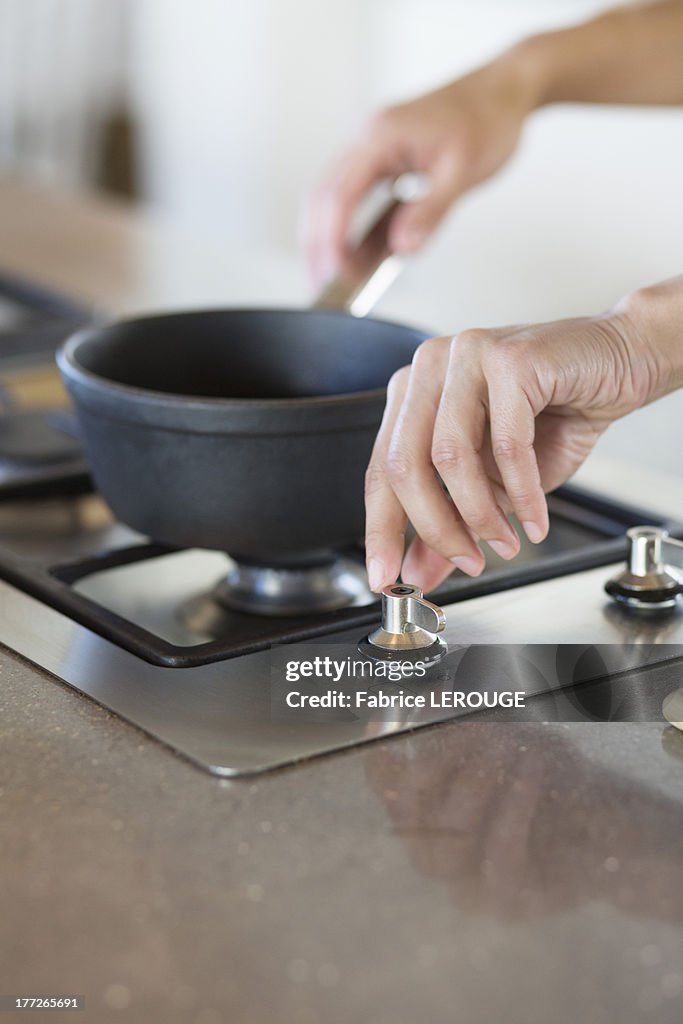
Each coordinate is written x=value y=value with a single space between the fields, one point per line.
x=515 y=79
x=530 y=64
x=606 y=60
x=652 y=320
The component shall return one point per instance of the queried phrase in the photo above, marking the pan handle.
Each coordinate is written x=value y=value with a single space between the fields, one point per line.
x=366 y=273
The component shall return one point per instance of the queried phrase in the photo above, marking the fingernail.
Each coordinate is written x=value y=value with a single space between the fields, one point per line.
x=376 y=573
x=502 y=548
x=534 y=532
x=469 y=565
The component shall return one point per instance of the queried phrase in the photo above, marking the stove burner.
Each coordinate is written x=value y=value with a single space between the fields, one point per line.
x=656 y=592
x=72 y=557
x=646 y=583
x=263 y=590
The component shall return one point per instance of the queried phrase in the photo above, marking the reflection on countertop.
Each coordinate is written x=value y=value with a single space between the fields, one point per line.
x=516 y=826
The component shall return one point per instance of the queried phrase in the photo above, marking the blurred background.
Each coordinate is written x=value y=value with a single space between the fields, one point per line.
x=219 y=114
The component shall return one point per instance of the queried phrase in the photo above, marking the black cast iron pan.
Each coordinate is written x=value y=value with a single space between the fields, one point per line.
x=246 y=431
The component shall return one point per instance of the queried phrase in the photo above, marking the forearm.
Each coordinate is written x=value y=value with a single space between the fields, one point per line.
x=630 y=55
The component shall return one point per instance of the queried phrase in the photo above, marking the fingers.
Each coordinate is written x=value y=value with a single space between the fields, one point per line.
x=411 y=471
x=460 y=438
x=512 y=445
x=459 y=418
x=416 y=221
x=331 y=208
x=427 y=568
x=393 y=144
x=385 y=519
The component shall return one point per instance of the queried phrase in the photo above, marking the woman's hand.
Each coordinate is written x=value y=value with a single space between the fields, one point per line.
x=456 y=136
x=484 y=424
x=461 y=134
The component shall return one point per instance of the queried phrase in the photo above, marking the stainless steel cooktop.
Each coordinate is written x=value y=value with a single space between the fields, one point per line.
x=117 y=619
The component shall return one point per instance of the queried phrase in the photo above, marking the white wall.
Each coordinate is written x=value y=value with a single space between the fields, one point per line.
x=239 y=101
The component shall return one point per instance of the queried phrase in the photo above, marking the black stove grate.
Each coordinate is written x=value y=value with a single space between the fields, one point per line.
x=586 y=532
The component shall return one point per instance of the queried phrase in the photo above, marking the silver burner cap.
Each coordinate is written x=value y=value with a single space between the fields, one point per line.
x=321 y=588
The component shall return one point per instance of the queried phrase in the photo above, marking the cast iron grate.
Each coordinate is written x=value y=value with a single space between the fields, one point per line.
x=586 y=532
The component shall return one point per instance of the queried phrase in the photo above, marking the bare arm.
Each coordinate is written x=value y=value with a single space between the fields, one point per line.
x=632 y=54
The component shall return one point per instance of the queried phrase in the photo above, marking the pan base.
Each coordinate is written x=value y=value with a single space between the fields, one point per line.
x=262 y=590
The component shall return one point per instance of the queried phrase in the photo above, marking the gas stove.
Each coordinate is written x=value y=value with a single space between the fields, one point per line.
x=183 y=643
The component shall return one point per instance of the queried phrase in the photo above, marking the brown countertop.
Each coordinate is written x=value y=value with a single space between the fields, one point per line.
x=480 y=871
x=84 y=245
x=477 y=871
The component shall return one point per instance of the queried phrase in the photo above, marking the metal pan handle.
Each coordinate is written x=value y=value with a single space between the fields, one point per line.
x=366 y=273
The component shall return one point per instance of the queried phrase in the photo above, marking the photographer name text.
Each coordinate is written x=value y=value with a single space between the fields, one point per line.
x=379 y=699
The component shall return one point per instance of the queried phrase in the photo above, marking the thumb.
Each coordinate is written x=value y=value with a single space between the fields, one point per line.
x=414 y=222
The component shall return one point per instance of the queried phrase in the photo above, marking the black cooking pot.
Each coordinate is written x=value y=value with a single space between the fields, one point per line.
x=243 y=431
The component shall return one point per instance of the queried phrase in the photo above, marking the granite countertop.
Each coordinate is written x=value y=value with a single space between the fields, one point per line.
x=478 y=871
